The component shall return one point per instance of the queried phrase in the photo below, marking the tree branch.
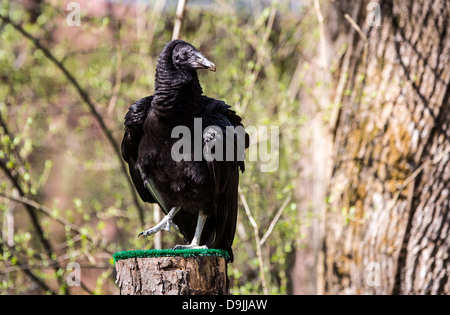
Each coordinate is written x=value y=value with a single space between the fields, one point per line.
x=30 y=203
x=28 y=272
x=261 y=54
x=179 y=19
x=275 y=220
x=257 y=240
x=34 y=221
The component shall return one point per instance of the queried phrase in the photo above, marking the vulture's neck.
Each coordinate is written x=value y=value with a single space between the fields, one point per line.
x=175 y=89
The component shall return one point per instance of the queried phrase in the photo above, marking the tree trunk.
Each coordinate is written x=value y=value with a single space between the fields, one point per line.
x=172 y=276
x=388 y=219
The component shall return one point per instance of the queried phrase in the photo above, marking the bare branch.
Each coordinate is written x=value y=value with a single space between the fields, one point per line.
x=356 y=27
x=179 y=19
x=261 y=54
x=28 y=272
x=257 y=240
x=323 y=45
x=30 y=203
x=275 y=220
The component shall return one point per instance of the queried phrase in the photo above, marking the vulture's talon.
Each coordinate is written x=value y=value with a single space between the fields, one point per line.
x=165 y=224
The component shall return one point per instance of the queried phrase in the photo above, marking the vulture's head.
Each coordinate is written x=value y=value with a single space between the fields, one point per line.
x=184 y=56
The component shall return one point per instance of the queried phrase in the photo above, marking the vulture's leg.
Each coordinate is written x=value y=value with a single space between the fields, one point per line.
x=165 y=223
x=195 y=244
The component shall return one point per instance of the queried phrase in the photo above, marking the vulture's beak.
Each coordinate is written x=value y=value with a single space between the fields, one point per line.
x=203 y=63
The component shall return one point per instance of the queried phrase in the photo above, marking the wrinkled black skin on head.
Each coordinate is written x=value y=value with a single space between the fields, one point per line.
x=211 y=187
x=187 y=57
x=184 y=56
x=176 y=78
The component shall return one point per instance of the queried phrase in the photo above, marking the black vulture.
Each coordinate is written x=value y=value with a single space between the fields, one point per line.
x=199 y=191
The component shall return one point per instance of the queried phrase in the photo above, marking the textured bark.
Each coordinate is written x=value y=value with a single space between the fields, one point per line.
x=389 y=215
x=172 y=276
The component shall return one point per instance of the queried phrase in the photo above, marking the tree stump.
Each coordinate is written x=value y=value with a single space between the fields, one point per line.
x=172 y=272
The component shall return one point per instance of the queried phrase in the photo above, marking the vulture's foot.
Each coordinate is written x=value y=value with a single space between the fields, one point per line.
x=191 y=246
x=165 y=224
x=195 y=243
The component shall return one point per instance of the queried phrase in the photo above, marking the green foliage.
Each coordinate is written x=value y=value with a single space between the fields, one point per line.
x=170 y=253
x=57 y=163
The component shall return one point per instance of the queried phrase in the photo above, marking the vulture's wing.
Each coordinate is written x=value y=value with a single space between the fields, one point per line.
x=223 y=131
x=134 y=121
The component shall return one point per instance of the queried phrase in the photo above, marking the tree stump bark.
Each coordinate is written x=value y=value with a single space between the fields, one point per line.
x=172 y=276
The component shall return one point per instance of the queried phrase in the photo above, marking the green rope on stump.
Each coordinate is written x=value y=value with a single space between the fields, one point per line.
x=171 y=253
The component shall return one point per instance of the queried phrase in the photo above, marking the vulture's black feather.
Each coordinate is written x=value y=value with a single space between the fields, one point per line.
x=207 y=186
